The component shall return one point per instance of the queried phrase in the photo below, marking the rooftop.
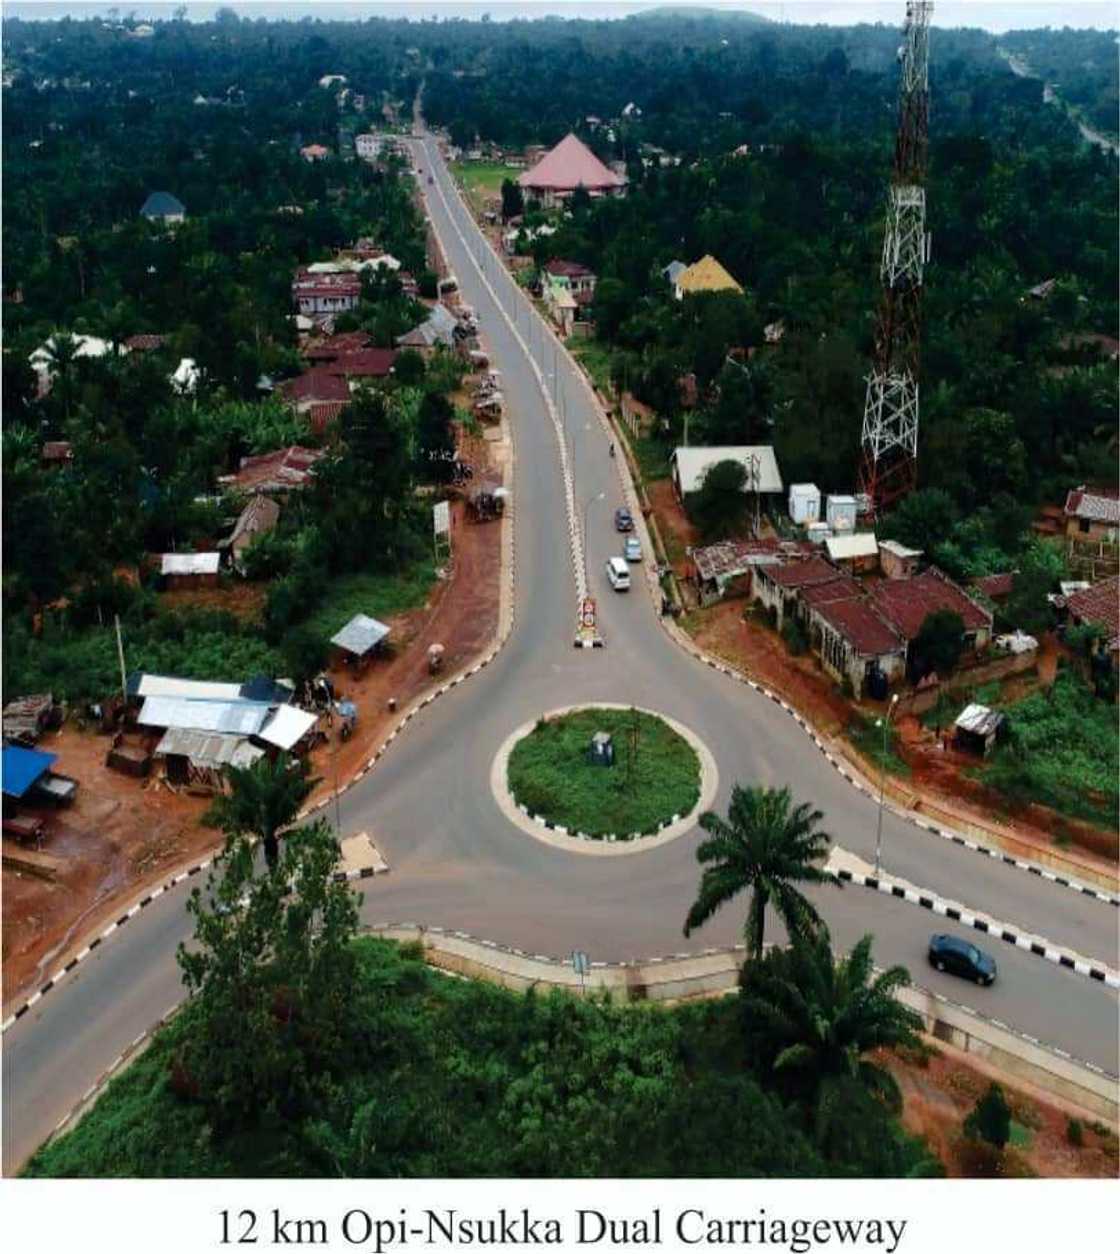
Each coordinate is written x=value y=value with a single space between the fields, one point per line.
x=210 y=750
x=568 y=269
x=855 y=620
x=569 y=165
x=190 y=563
x=1094 y=504
x=280 y=471
x=905 y=603
x=162 y=205
x=317 y=384
x=22 y=768
x=1100 y=604
x=995 y=586
x=706 y=275
x=845 y=548
x=802 y=574
x=694 y=463
x=979 y=720
x=733 y=557
x=366 y=363
x=840 y=588
x=360 y=635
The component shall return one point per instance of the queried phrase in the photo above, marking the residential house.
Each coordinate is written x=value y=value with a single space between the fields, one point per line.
x=995 y=588
x=330 y=349
x=189 y=570
x=571 y=164
x=673 y=271
x=690 y=465
x=56 y=453
x=852 y=641
x=145 y=343
x=436 y=330
x=318 y=294
x=314 y=152
x=906 y=603
x=778 y=587
x=1100 y=606
x=315 y=386
x=368 y=146
x=258 y=517
x=285 y=470
x=366 y=363
x=705 y=275
x=977 y=729
x=1093 y=514
x=567 y=287
x=42 y=359
x=164 y=208
x=730 y=565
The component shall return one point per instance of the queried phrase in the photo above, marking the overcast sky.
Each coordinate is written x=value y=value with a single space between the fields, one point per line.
x=1102 y=14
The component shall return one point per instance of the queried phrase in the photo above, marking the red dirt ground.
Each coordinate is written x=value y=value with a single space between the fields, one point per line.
x=245 y=600
x=938 y=1097
x=938 y=777
x=123 y=834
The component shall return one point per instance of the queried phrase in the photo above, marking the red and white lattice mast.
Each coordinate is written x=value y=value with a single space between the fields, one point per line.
x=889 y=454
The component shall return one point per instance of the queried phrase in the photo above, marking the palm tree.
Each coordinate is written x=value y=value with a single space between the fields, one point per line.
x=264 y=798
x=816 y=1017
x=765 y=844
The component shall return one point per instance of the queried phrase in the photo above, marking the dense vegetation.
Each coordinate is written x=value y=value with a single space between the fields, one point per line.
x=305 y=1052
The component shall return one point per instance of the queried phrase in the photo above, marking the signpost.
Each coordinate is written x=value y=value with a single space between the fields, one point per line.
x=581 y=965
x=441 y=528
x=587 y=633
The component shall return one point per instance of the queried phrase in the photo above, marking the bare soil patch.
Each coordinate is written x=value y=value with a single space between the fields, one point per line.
x=239 y=597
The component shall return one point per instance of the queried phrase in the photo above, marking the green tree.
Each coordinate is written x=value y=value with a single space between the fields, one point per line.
x=719 y=507
x=813 y=1019
x=513 y=202
x=939 y=643
x=990 y=1119
x=409 y=369
x=271 y=973
x=263 y=799
x=922 y=520
x=1041 y=567
x=768 y=845
x=304 y=651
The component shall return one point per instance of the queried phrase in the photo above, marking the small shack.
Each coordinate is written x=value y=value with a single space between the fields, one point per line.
x=360 y=639
x=190 y=570
x=25 y=719
x=198 y=759
x=897 y=560
x=256 y=519
x=978 y=729
x=289 y=730
x=27 y=776
x=857 y=553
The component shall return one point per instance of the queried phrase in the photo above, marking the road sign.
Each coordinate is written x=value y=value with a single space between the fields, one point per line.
x=587 y=632
x=441 y=518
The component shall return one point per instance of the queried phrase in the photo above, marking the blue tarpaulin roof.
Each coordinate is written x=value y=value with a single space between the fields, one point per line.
x=22 y=767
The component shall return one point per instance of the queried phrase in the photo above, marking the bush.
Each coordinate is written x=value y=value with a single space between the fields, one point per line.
x=990 y=1120
x=1075 y=1133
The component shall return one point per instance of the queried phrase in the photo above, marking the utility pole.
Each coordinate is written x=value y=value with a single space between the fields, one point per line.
x=889 y=441
x=120 y=658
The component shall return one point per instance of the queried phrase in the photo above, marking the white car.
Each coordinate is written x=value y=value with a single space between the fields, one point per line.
x=618 y=574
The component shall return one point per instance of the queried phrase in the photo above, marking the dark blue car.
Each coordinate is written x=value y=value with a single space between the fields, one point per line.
x=961 y=957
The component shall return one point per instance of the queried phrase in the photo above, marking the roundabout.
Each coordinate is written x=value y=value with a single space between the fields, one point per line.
x=662 y=777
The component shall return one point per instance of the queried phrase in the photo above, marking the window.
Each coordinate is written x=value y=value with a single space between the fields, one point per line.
x=1083 y=526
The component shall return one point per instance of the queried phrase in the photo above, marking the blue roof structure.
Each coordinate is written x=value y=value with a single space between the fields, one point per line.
x=23 y=767
x=162 y=205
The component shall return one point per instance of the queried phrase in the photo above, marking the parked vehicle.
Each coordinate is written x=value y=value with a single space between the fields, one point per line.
x=961 y=957
x=632 y=549
x=622 y=519
x=618 y=574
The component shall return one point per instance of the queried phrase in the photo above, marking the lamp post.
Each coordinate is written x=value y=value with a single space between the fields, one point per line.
x=587 y=506
x=884 y=723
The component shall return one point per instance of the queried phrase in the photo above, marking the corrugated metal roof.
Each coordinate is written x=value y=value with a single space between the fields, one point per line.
x=208 y=749
x=979 y=720
x=360 y=634
x=842 y=548
x=22 y=767
x=241 y=718
x=694 y=463
x=190 y=563
x=141 y=684
x=288 y=726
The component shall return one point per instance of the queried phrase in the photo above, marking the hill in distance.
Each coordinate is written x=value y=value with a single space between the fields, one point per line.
x=666 y=12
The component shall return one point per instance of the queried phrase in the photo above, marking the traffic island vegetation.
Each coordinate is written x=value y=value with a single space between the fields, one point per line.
x=654 y=776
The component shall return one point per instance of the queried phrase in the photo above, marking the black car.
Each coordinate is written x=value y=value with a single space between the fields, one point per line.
x=622 y=520
x=961 y=957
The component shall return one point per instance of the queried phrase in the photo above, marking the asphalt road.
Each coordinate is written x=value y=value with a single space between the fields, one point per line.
x=457 y=862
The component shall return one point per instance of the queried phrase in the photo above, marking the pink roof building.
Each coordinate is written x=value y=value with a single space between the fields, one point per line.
x=282 y=471
x=569 y=165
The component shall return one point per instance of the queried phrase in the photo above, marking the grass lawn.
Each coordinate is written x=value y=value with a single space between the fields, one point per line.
x=653 y=457
x=483 y=180
x=550 y=774
x=595 y=358
x=868 y=739
x=379 y=596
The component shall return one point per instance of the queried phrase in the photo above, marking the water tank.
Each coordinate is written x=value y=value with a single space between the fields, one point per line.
x=840 y=511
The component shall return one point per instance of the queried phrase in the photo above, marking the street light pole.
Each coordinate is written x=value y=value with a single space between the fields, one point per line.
x=885 y=723
x=587 y=506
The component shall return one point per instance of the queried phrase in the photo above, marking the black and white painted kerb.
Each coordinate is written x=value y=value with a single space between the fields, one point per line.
x=998 y=931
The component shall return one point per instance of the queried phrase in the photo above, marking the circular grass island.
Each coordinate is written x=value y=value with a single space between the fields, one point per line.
x=654 y=779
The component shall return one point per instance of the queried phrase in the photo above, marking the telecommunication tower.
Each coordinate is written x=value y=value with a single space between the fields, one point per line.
x=889 y=443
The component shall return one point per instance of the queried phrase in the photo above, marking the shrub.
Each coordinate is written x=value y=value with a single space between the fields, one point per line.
x=990 y=1120
x=1075 y=1133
